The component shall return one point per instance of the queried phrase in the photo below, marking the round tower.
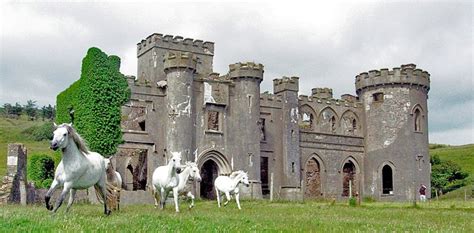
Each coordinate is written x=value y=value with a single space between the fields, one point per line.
x=180 y=69
x=396 y=131
x=245 y=113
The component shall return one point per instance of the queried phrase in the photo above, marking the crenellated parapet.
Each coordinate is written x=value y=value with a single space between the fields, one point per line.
x=325 y=101
x=285 y=84
x=175 y=60
x=175 y=43
x=246 y=70
x=323 y=93
x=404 y=75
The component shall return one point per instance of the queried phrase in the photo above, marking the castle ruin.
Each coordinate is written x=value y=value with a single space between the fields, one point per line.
x=292 y=146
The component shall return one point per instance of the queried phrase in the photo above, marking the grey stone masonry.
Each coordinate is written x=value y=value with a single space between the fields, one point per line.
x=14 y=188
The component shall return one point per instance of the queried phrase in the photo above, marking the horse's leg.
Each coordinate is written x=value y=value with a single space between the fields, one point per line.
x=175 y=197
x=190 y=195
x=155 y=195
x=218 y=198
x=50 y=192
x=237 y=199
x=227 y=195
x=103 y=192
x=59 y=202
x=72 y=195
x=163 y=198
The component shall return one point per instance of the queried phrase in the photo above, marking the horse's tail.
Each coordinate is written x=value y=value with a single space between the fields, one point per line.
x=98 y=194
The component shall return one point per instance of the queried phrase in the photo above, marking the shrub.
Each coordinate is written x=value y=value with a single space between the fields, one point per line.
x=446 y=176
x=41 y=170
x=352 y=201
x=369 y=199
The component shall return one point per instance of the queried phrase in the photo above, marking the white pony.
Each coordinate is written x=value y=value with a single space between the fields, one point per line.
x=230 y=185
x=165 y=178
x=190 y=172
x=117 y=175
x=79 y=168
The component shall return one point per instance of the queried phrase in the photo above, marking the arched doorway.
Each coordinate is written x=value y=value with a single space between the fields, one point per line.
x=313 y=179
x=349 y=179
x=387 y=180
x=209 y=172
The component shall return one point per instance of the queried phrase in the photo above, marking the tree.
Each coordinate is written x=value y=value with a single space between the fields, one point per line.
x=446 y=176
x=30 y=109
x=7 y=109
x=17 y=110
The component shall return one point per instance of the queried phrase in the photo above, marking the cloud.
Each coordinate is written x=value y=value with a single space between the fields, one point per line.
x=326 y=44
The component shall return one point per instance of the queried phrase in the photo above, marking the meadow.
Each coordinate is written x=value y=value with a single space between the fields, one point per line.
x=255 y=216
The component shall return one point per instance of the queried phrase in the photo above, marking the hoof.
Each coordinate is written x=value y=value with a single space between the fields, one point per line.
x=107 y=212
x=49 y=207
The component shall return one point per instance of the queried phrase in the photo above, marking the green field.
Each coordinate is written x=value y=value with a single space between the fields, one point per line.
x=255 y=216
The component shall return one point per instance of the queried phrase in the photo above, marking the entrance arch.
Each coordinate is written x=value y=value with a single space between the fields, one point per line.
x=211 y=164
x=313 y=186
x=350 y=177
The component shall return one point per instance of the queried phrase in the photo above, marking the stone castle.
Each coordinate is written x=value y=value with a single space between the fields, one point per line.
x=292 y=146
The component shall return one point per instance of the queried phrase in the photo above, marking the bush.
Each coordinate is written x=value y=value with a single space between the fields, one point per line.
x=352 y=201
x=40 y=133
x=446 y=176
x=41 y=170
x=369 y=199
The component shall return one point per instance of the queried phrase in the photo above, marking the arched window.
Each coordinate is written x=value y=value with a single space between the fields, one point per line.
x=354 y=125
x=387 y=180
x=417 y=120
x=349 y=179
x=333 y=124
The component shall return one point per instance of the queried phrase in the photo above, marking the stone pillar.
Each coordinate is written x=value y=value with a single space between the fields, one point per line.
x=180 y=69
x=13 y=189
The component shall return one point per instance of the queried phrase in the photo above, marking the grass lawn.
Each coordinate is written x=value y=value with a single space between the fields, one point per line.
x=255 y=216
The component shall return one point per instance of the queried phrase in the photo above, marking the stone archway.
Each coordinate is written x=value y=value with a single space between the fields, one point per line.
x=349 y=181
x=209 y=172
x=211 y=164
x=312 y=179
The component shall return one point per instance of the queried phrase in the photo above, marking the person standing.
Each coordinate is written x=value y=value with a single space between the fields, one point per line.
x=422 y=193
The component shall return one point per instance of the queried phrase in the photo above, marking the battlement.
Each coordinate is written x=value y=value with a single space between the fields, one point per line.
x=174 y=60
x=349 y=98
x=246 y=69
x=285 y=84
x=325 y=101
x=405 y=75
x=177 y=43
x=323 y=93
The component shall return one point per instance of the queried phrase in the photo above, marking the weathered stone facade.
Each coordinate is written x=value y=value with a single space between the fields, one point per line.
x=317 y=146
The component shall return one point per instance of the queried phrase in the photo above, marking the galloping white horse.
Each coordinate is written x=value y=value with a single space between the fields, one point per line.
x=230 y=185
x=190 y=172
x=79 y=168
x=165 y=178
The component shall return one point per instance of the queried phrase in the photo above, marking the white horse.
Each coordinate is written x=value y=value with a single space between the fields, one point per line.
x=230 y=185
x=79 y=168
x=190 y=172
x=165 y=178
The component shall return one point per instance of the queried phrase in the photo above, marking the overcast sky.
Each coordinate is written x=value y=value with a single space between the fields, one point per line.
x=326 y=45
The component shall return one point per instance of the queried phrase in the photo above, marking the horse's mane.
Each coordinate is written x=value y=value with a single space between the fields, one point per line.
x=80 y=143
x=190 y=164
x=235 y=174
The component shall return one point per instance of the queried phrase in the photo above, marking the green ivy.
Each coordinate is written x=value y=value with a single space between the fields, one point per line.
x=41 y=170
x=96 y=99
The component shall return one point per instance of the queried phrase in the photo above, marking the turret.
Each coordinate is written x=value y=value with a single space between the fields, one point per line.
x=288 y=87
x=152 y=50
x=180 y=69
x=322 y=93
x=396 y=131
x=245 y=110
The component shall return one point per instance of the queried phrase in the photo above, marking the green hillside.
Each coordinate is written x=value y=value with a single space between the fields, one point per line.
x=462 y=155
x=10 y=132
